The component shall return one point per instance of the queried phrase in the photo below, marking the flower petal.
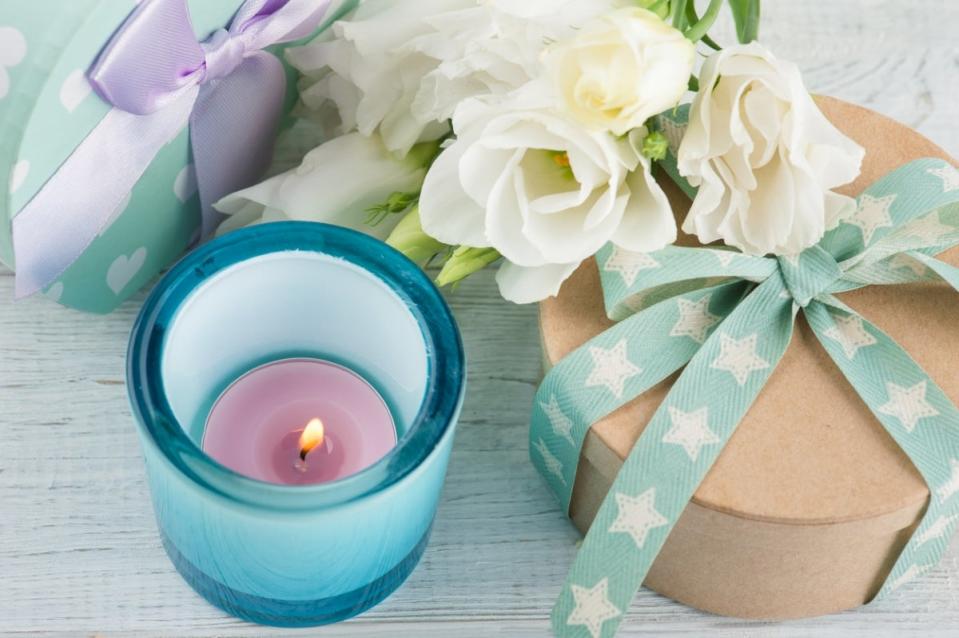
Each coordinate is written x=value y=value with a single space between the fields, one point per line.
x=447 y=212
x=335 y=184
x=524 y=285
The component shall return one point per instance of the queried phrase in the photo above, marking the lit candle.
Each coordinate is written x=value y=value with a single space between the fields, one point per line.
x=296 y=387
x=299 y=421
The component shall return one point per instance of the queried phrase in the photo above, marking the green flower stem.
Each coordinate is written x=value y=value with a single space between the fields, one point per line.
x=678 y=16
x=693 y=18
x=395 y=204
x=701 y=27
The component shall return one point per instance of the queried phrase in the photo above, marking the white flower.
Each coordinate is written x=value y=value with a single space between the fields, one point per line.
x=336 y=183
x=402 y=67
x=763 y=155
x=546 y=193
x=621 y=69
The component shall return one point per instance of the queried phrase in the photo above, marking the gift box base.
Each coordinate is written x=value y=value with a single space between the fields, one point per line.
x=810 y=503
x=735 y=566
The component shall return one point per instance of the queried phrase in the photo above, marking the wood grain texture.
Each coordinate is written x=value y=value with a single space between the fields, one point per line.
x=79 y=553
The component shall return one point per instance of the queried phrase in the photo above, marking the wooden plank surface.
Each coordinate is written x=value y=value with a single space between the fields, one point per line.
x=79 y=553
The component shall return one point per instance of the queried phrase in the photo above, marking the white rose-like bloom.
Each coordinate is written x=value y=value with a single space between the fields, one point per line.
x=546 y=193
x=401 y=68
x=621 y=69
x=336 y=183
x=764 y=156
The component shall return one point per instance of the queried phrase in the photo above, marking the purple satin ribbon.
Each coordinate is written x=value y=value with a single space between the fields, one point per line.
x=159 y=79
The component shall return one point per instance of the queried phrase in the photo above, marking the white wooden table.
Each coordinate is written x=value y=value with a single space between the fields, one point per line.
x=79 y=552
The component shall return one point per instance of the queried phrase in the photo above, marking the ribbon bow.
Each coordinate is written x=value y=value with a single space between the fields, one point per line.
x=728 y=318
x=159 y=79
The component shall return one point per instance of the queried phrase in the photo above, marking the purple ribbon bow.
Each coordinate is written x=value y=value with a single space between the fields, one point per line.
x=159 y=79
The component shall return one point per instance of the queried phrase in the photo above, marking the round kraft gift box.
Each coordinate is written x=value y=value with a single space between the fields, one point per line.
x=810 y=503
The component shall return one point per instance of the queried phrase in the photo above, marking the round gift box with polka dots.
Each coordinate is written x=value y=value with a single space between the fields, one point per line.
x=47 y=107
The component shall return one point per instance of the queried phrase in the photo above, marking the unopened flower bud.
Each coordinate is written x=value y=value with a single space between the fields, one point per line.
x=409 y=238
x=655 y=146
x=464 y=261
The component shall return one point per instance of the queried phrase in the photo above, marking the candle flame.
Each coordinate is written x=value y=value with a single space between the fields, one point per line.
x=311 y=437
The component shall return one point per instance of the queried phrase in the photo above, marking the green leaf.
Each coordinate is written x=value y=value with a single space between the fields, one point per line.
x=746 y=16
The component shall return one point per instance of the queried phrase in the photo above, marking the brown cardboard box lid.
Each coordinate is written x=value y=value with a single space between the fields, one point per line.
x=808 y=451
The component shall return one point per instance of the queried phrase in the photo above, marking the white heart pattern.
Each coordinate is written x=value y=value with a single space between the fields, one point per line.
x=184 y=186
x=13 y=48
x=75 y=90
x=18 y=175
x=124 y=269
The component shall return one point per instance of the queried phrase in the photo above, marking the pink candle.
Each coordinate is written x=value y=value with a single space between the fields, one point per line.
x=256 y=427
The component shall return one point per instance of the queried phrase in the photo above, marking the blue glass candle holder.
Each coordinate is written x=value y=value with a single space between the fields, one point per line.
x=278 y=554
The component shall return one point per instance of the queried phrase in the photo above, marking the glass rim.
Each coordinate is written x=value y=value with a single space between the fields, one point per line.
x=438 y=409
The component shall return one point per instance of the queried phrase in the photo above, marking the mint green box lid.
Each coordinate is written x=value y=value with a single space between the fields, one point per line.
x=47 y=108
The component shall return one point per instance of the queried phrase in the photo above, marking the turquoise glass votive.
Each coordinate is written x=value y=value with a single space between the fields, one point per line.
x=294 y=555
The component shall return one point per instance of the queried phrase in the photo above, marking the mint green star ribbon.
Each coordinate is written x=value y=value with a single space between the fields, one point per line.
x=728 y=318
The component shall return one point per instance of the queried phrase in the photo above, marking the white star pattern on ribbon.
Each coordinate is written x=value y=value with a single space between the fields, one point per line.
x=938 y=529
x=906 y=576
x=872 y=214
x=950 y=487
x=674 y=133
x=593 y=607
x=637 y=516
x=690 y=430
x=851 y=334
x=725 y=257
x=611 y=368
x=929 y=230
x=904 y=260
x=909 y=405
x=738 y=357
x=562 y=425
x=695 y=320
x=949 y=176
x=628 y=264
x=553 y=465
x=792 y=259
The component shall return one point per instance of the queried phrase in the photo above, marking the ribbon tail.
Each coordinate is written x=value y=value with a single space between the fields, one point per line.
x=232 y=131
x=565 y=406
x=670 y=460
x=90 y=189
x=915 y=412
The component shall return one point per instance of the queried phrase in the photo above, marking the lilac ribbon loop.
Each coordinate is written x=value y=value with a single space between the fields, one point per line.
x=159 y=79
